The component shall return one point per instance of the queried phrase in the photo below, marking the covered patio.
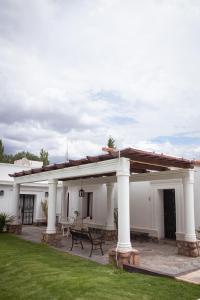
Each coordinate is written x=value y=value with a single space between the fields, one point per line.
x=158 y=257
x=130 y=165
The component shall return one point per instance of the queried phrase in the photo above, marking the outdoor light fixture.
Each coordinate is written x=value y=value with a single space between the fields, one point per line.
x=81 y=193
x=1 y=193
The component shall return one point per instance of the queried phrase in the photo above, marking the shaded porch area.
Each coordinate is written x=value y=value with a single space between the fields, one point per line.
x=129 y=165
x=158 y=257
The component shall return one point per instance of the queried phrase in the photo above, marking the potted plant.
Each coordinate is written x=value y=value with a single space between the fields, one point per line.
x=44 y=205
x=5 y=219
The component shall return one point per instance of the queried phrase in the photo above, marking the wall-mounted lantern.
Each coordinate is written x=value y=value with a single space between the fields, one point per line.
x=81 y=193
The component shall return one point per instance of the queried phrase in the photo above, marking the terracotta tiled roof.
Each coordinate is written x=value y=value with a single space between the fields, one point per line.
x=141 y=162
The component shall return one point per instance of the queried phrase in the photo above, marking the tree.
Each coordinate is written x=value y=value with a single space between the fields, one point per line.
x=10 y=158
x=44 y=156
x=26 y=154
x=1 y=151
x=111 y=142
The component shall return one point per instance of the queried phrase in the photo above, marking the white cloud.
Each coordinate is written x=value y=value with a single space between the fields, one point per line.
x=79 y=69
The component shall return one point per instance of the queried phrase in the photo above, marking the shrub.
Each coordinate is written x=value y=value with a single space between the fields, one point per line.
x=44 y=205
x=4 y=220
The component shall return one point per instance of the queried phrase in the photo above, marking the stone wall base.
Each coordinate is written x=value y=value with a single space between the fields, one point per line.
x=14 y=228
x=59 y=228
x=52 y=239
x=191 y=249
x=109 y=235
x=40 y=223
x=118 y=258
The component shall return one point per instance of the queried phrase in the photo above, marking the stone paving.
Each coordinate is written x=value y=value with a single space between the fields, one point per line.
x=161 y=256
x=192 y=277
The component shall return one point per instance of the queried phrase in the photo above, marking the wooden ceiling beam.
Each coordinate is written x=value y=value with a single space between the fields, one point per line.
x=147 y=166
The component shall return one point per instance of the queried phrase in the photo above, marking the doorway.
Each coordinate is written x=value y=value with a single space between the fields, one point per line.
x=27 y=208
x=87 y=206
x=169 y=214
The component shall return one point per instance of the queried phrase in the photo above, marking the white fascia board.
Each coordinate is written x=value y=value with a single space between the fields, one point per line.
x=162 y=175
x=91 y=181
x=102 y=167
x=5 y=182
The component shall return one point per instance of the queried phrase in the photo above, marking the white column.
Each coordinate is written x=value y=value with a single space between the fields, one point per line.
x=64 y=203
x=16 y=199
x=110 y=206
x=188 y=190
x=123 y=174
x=51 y=223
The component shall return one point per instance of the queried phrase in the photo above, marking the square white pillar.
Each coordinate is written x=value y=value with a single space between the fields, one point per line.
x=51 y=222
x=64 y=203
x=16 y=199
x=110 y=206
x=188 y=190
x=123 y=173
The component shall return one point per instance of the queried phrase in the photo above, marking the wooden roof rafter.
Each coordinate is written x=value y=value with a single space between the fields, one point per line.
x=141 y=161
x=148 y=166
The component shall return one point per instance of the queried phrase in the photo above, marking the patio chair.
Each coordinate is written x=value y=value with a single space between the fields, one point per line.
x=65 y=229
x=79 y=236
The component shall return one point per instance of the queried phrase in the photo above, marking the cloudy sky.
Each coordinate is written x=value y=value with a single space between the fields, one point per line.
x=73 y=72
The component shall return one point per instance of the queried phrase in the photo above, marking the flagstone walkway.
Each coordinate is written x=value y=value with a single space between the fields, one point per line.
x=161 y=257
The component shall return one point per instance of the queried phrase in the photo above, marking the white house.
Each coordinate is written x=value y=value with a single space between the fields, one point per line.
x=155 y=194
x=31 y=195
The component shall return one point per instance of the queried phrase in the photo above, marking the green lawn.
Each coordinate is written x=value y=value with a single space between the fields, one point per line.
x=32 y=271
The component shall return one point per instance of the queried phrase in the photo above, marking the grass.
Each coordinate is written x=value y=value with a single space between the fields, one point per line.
x=34 y=271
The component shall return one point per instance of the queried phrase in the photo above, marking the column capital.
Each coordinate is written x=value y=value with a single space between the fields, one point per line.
x=109 y=184
x=65 y=184
x=52 y=181
x=123 y=167
x=188 y=176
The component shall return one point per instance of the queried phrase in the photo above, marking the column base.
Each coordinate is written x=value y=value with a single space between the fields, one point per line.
x=14 y=228
x=186 y=248
x=52 y=239
x=119 y=258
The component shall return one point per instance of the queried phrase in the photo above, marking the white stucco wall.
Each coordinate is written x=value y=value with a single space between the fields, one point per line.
x=140 y=206
x=146 y=200
x=36 y=189
x=146 y=204
x=7 y=205
x=99 y=201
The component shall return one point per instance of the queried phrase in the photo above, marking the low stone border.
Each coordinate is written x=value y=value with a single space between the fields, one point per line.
x=52 y=239
x=146 y=271
x=14 y=228
x=191 y=249
x=118 y=258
